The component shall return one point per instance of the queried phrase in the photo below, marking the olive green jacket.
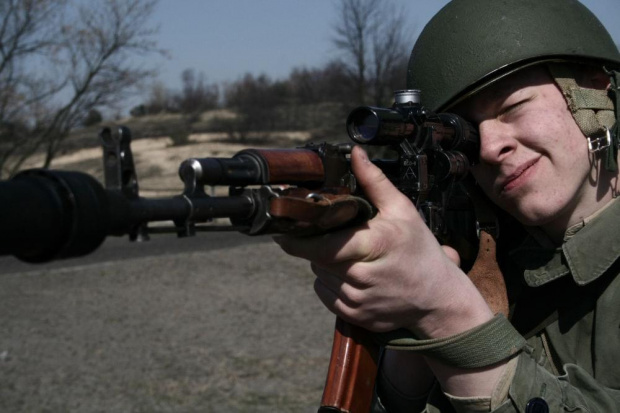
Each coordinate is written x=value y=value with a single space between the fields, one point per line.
x=566 y=303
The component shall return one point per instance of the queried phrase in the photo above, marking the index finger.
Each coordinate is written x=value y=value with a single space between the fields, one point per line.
x=334 y=247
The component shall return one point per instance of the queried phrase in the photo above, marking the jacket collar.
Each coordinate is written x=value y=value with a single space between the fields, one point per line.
x=586 y=255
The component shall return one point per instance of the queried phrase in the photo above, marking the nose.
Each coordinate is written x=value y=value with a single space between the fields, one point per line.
x=496 y=141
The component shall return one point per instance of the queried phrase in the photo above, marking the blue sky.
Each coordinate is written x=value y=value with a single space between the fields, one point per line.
x=225 y=39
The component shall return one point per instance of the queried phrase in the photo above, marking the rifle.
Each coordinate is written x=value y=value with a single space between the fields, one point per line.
x=303 y=191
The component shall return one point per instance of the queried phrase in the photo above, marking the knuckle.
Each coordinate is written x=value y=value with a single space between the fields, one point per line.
x=357 y=274
x=382 y=238
x=365 y=281
x=349 y=314
x=353 y=297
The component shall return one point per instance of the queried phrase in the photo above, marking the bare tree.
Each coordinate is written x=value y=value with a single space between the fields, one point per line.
x=256 y=100
x=58 y=61
x=196 y=95
x=160 y=99
x=320 y=85
x=375 y=41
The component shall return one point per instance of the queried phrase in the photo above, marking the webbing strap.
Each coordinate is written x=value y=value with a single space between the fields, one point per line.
x=614 y=94
x=592 y=109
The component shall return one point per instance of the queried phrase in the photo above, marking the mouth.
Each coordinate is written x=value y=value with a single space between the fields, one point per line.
x=518 y=177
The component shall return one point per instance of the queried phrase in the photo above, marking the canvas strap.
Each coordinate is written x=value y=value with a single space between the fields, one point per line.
x=614 y=94
x=593 y=110
x=484 y=345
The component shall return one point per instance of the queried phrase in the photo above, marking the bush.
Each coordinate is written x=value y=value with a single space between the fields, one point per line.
x=138 y=111
x=93 y=118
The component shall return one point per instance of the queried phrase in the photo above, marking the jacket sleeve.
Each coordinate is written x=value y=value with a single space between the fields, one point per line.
x=574 y=391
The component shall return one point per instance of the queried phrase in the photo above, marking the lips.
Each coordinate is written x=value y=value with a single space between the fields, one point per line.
x=516 y=178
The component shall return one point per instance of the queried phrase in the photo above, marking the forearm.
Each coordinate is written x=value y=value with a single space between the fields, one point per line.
x=459 y=382
x=404 y=381
x=464 y=311
x=406 y=376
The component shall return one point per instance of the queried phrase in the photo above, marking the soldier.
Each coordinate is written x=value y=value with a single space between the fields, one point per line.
x=540 y=80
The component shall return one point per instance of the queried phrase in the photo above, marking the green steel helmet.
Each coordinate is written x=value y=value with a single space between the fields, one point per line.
x=471 y=43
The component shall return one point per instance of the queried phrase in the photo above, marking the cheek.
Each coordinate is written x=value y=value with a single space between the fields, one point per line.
x=575 y=141
x=568 y=147
x=546 y=129
x=557 y=124
x=557 y=136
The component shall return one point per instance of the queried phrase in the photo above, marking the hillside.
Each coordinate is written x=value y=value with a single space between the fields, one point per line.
x=161 y=142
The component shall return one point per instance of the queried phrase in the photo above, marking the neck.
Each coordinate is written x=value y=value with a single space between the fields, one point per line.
x=592 y=200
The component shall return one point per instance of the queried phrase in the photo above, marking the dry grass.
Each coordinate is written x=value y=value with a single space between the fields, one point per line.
x=157 y=160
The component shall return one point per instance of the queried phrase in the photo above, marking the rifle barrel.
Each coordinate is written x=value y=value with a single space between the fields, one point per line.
x=46 y=215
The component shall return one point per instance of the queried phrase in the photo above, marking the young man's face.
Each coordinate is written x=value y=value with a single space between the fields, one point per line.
x=534 y=160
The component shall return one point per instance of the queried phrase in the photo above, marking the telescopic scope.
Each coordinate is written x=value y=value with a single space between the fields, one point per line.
x=370 y=125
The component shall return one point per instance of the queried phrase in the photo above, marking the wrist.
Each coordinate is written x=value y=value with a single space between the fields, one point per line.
x=470 y=363
x=457 y=307
x=459 y=382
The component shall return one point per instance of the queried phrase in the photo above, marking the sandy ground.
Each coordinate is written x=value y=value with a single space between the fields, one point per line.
x=157 y=160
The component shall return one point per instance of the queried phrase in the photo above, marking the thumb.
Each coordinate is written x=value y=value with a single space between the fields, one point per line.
x=378 y=188
x=452 y=254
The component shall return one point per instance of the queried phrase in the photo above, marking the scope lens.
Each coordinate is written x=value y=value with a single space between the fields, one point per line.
x=363 y=125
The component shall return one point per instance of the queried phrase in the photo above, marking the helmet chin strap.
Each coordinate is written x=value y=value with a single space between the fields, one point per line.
x=614 y=94
x=595 y=111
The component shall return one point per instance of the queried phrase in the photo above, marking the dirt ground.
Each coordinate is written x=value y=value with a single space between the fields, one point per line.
x=229 y=330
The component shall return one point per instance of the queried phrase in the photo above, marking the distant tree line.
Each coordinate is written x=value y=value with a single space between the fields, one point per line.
x=308 y=99
x=374 y=45
x=195 y=96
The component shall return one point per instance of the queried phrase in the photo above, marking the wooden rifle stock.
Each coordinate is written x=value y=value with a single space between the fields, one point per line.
x=350 y=382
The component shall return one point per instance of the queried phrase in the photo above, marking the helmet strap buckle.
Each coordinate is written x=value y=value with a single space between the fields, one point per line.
x=601 y=143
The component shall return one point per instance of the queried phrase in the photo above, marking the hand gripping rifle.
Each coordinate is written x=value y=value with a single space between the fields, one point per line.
x=304 y=191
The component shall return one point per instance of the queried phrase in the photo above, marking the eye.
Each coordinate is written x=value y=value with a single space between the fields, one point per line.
x=511 y=108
